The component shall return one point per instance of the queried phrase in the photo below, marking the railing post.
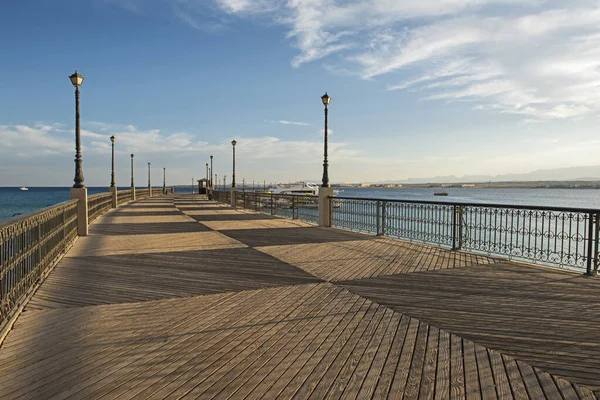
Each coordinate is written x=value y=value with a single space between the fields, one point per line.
x=272 y=213
x=383 y=216
x=293 y=207
x=233 y=197
x=596 y=240
x=113 y=191
x=82 y=210
x=592 y=243
x=378 y=217
x=325 y=206
x=457 y=227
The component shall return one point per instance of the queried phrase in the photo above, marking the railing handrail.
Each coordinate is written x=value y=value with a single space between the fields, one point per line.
x=98 y=195
x=470 y=204
x=17 y=218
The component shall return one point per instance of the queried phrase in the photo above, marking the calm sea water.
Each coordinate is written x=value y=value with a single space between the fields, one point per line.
x=14 y=201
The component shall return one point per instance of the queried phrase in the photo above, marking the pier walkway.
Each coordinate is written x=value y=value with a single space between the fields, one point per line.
x=179 y=297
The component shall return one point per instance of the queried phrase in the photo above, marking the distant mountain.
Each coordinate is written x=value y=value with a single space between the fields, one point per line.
x=587 y=173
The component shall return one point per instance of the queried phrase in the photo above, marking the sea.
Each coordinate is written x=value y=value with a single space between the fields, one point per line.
x=15 y=202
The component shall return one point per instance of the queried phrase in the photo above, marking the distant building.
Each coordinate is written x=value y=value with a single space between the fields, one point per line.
x=468 y=185
x=365 y=185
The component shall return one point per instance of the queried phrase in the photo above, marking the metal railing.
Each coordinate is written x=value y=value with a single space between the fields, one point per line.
x=566 y=237
x=98 y=204
x=123 y=196
x=29 y=246
x=303 y=208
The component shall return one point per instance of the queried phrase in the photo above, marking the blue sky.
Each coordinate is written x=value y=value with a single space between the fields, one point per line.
x=419 y=89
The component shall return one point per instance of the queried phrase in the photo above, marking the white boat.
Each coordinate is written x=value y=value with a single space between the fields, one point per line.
x=23 y=188
x=296 y=189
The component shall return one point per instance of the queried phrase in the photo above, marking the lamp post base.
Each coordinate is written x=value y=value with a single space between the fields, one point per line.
x=233 y=197
x=133 y=193
x=82 y=209
x=113 y=190
x=325 y=206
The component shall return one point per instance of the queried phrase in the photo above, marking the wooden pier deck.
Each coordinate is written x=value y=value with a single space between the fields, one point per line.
x=178 y=297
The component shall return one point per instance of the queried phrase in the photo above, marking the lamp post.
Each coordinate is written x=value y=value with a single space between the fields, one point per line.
x=77 y=80
x=325 y=99
x=164 y=180
x=224 y=181
x=211 y=171
x=79 y=191
x=217 y=180
x=112 y=166
x=132 y=184
x=149 y=187
x=233 y=143
x=113 y=188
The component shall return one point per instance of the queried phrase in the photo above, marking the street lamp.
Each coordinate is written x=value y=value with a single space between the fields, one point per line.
x=149 y=187
x=164 y=180
x=211 y=172
x=132 y=170
x=325 y=99
x=233 y=143
x=224 y=181
x=112 y=173
x=77 y=80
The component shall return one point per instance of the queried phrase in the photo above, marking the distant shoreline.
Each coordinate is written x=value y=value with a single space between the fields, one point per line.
x=480 y=185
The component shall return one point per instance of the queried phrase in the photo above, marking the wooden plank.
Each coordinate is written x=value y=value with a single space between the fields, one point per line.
x=530 y=379
x=429 y=378
x=389 y=369
x=472 y=388
x=500 y=375
x=379 y=360
x=442 y=384
x=457 y=375
x=484 y=371
x=416 y=365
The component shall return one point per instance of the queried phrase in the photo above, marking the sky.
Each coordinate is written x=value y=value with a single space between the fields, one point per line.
x=418 y=89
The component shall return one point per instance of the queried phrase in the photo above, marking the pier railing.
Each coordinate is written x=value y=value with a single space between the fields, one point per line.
x=566 y=237
x=303 y=208
x=98 y=204
x=30 y=245
x=123 y=196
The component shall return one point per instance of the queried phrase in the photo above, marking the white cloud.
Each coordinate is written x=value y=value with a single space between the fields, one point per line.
x=285 y=122
x=538 y=59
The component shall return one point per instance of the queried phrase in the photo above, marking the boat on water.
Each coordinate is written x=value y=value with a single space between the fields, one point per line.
x=298 y=189
x=23 y=188
x=440 y=193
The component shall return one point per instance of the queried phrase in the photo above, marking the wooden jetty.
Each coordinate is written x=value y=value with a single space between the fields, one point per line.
x=178 y=297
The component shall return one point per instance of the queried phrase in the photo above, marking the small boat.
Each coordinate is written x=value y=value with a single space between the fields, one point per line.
x=23 y=188
x=440 y=193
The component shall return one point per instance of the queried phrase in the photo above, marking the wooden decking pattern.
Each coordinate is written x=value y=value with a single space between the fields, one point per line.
x=346 y=260
x=178 y=297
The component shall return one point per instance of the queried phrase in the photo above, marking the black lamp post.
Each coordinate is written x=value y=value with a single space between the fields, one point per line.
x=164 y=180
x=149 y=180
x=211 y=172
x=224 y=181
x=132 y=170
x=326 y=99
x=77 y=80
x=112 y=166
x=233 y=143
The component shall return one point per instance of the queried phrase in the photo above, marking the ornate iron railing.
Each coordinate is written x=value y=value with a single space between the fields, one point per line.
x=565 y=237
x=303 y=208
x=98 y=204
x=29 y=246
